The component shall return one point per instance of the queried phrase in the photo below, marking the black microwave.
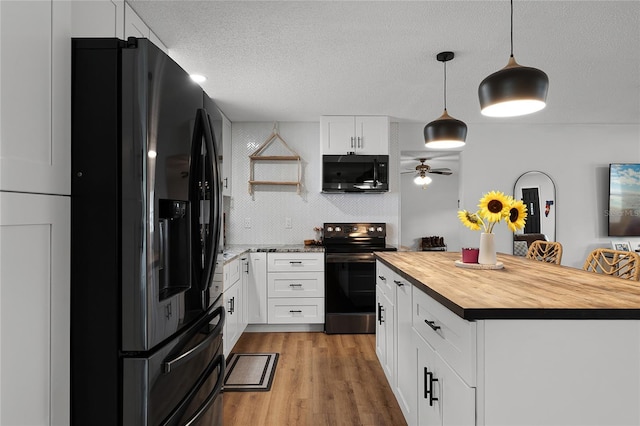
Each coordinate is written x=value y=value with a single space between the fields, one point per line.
x=355 y=173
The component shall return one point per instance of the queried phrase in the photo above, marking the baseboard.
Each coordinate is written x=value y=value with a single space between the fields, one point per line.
x=283 y=328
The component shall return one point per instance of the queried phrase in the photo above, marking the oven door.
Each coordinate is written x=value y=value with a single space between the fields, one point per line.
x=180 y=383
x=350 y=292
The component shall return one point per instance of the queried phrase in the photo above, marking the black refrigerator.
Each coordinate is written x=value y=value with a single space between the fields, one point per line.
x=146 y=321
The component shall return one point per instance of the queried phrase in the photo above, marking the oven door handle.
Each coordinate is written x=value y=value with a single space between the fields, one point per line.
x=182 y=358
x=350 y=258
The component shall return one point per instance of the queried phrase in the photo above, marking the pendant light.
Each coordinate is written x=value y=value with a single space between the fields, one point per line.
x=514 y=90
x=445 y=131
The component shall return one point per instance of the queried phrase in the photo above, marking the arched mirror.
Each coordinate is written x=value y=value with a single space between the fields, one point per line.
x=538 y=192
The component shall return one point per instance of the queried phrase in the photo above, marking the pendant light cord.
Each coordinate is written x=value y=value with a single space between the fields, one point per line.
x=512 y=28
x=445 y=85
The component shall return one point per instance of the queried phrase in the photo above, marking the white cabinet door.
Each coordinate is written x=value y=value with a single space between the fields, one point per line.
x=372 y=135
x=231 y=330
x=98 y=18
x=226 y=156
x=133 y=25
x=257 y=288
x=385 y=335
x=405 y=387
x=244 y=292
x=337 y=134
x=34 y=309
x=443 y=397
x=35 y=106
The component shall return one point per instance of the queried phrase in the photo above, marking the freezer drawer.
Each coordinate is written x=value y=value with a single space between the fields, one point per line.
x=181 y=383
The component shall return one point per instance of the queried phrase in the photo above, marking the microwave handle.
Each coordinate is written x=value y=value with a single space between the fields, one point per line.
x=375 y=173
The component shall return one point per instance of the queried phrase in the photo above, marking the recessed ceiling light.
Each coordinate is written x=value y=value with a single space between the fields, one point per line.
x=198 y=78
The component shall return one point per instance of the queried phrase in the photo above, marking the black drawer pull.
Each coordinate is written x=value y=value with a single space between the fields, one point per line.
x=382 y=278
x=295 y=285
x=433 y=325
x=398 y=283
x=295 y=262
x=295 y=312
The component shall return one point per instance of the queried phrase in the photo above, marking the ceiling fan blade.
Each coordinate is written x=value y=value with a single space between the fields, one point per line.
x=443 y=171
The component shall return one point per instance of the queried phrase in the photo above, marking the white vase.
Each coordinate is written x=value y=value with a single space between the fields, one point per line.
x=487 y=255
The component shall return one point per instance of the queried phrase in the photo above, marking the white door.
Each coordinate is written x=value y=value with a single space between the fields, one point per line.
x=35 y=106
x=337 y=134
x=34 y=309
x=372 y=135
x=257 y=288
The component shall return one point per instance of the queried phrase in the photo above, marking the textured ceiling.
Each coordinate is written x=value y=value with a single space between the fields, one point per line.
x=297 y=60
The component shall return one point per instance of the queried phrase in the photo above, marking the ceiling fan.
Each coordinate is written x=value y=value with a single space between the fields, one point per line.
x=423 y=169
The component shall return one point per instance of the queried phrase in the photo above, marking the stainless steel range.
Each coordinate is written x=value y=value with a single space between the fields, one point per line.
x=350 y=275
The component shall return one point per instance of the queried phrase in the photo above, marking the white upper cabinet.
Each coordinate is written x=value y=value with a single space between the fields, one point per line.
x=98 y=18
x=35 y=106
x=134 y=26
x=343 y=134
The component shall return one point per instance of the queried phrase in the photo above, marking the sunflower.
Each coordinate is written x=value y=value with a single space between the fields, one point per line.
x=517 y=215
x=494 y=206
x=470 y=220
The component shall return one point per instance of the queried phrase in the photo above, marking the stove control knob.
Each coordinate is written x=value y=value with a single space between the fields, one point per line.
x=329 y=228
x=380 y=229
x=371 y=229
x=338 y=229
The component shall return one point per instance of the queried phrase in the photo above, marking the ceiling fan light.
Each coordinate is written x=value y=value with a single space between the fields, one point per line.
x=513 y=91
x=422 y=180
x=445 y=132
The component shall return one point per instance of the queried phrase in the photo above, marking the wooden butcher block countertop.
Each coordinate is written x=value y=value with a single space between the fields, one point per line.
x=524 y=289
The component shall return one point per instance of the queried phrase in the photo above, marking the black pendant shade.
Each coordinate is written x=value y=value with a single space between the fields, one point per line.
x=445 y=131
x=512 y=91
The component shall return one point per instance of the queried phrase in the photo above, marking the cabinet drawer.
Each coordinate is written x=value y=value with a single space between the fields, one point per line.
x=451 y=336
x=231 y=273
x=384 y=281
x=283 y=310
x=286 y=262
x=301 y=284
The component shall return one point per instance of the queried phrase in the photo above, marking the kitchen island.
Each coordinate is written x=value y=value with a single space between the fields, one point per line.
x=530 y=344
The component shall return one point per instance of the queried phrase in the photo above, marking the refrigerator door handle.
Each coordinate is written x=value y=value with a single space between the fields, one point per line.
x=186 y=356
x=216 y=200
x=217 y=361
x=204 y=240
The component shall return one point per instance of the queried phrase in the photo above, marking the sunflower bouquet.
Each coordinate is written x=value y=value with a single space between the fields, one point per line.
x=495 y=206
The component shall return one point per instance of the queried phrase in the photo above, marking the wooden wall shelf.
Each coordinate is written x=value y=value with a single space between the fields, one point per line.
x=257 y=156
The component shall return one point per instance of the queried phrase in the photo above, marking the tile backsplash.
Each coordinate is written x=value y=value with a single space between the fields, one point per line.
x=278 y=214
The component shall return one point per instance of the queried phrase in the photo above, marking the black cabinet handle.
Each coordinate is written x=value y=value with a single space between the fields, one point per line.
x=295 y=285
x=382 y=278
x=295 y=262
x=433 y=325
x=380 y=310
x=295 y=311
x=428 y=376
x=398 y=283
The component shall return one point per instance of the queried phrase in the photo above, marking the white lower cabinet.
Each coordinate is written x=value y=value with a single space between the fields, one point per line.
x=34 y=309
x=257 y=288
x=233 y=303
x=443 y=397
x=295 y=288
x=405 y=383
x=385 y=348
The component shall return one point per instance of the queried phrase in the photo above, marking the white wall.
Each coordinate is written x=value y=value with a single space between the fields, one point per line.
x=431 y=211
x=268 y=207
x=575 y=156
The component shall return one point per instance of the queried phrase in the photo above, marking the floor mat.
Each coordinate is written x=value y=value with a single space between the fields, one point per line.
x=250 y=372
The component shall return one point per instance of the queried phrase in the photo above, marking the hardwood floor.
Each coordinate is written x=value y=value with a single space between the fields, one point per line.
x=320 y=379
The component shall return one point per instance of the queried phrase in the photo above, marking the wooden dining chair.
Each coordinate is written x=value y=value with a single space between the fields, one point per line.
x=622 y=264
x=545 y=251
